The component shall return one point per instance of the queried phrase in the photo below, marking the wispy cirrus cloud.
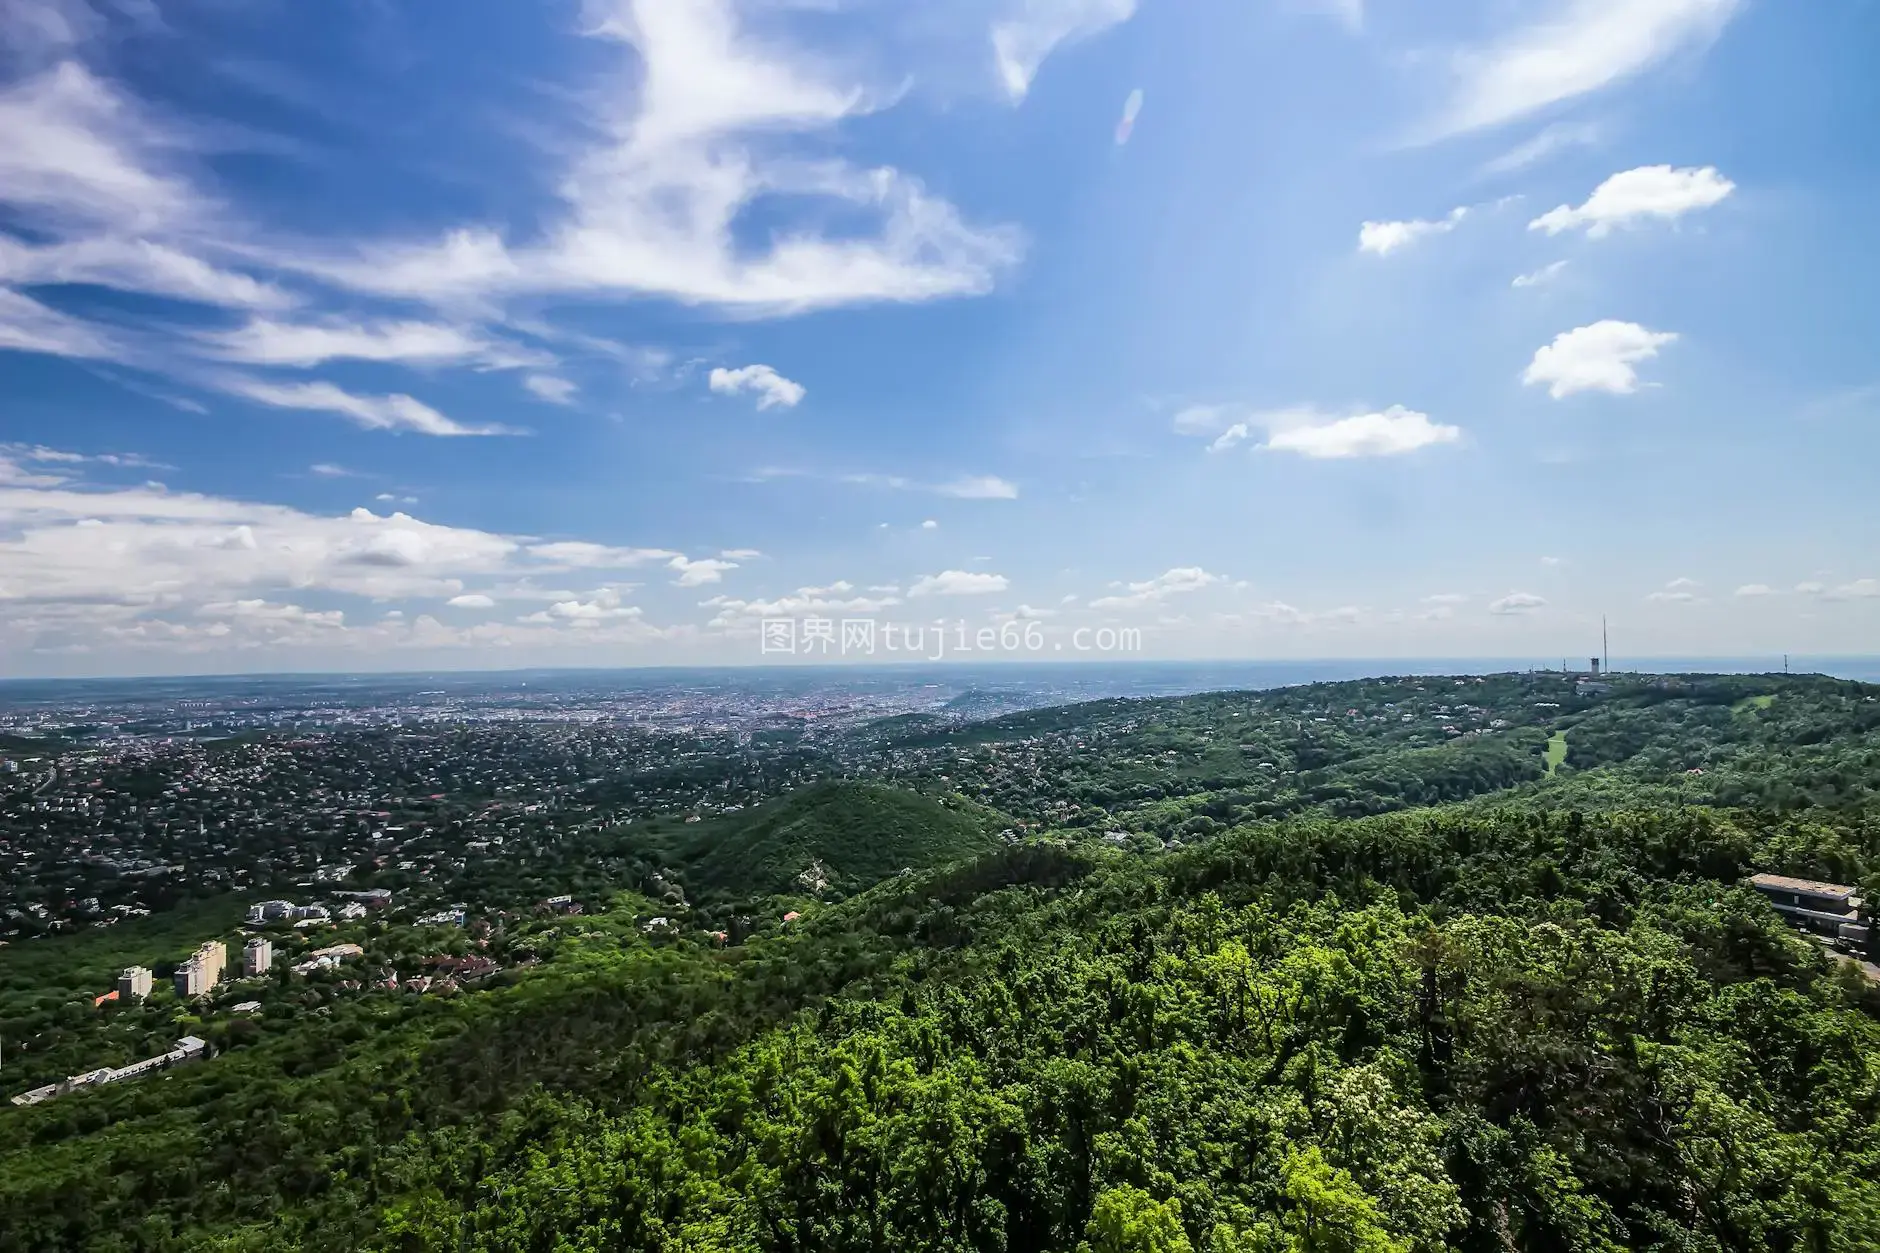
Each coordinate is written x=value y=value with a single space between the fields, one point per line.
x=652 y=208
x=1032 y=29
x=396 y=412
x=1575 y=48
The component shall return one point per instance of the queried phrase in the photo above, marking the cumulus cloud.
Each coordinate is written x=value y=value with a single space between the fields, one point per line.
x=1598 y=357
x=472 y=600
x=1756 y=589
x=1517 y=603
x=770 y=387
x=1384 y=238
x=958 y=583
x=1232 y=436
x=1632 y=196
x=1573 y=48
x=1676 y=591
x=697 y=573
x=1178 y=581
x=1033 y=28
x=1392 y=433
x=1310 y=432
x=1858 y=589
x=584 y=615
x=742 y=616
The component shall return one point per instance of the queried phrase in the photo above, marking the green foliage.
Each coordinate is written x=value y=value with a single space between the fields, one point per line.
x=1546 y=1015
x=848 y=835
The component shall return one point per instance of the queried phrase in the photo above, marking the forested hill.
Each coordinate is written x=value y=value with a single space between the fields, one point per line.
x=1188 y=767
x=842 y=835
x=1418 y=982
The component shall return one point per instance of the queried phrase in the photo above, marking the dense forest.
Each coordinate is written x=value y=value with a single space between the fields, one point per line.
x=1401 y=990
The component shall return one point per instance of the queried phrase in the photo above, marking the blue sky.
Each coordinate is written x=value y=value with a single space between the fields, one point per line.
x=381 y=335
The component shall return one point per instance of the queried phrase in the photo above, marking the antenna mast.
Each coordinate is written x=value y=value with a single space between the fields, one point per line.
x=1605 y=647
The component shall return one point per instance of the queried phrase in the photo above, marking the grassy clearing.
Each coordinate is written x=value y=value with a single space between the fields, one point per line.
x=1758 y=703
x=1556 y=751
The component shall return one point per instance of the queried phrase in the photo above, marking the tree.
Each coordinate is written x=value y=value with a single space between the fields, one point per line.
x=1128 y=1220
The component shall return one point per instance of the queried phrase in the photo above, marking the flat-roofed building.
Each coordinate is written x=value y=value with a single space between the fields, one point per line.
x=258 y=957
x=1827 y=909
x=203 y=970
x=133 y=984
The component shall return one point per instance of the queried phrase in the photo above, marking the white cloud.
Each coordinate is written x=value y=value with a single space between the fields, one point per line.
x=1858 y=589
x=1580 y=46
x=1227 y=439
x=1384 y=238
x=697 y=573
x=472 y=600
x=979 y=487
x=1203 y=419
x=968 y=487
x=1178 y=581
x=1598 y=357
x=743 y=615
x=1632 y=196
x=81 y=153
x=1022 y=41
x=655 y=206
x=583 y=555
x=557 y=391
x=136 y=265
x=1556 y=138
x=584 y=615
x=1534 y=278
x=1391 y=433
x=958 y=583
x=380 y=413
x=1550 y=561
x=257 y=610
x=263 y=341
x=1446 y=598
x=929 y=525
x=1517 y=603
x=328 y=470
x=29 y=326
x=740 y=554
x=1756 y=589
x=1810 y=588
x=770 y=387
x=1677 y=591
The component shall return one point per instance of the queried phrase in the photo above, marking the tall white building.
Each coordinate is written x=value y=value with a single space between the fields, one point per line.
x=258 y=957
x=203 y=970
x=133 y=984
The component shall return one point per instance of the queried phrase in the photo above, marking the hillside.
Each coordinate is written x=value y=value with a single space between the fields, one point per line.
x=1394 y=989
x=843 y=835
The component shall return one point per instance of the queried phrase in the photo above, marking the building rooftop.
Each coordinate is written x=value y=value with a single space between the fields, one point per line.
x=1808 y=887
